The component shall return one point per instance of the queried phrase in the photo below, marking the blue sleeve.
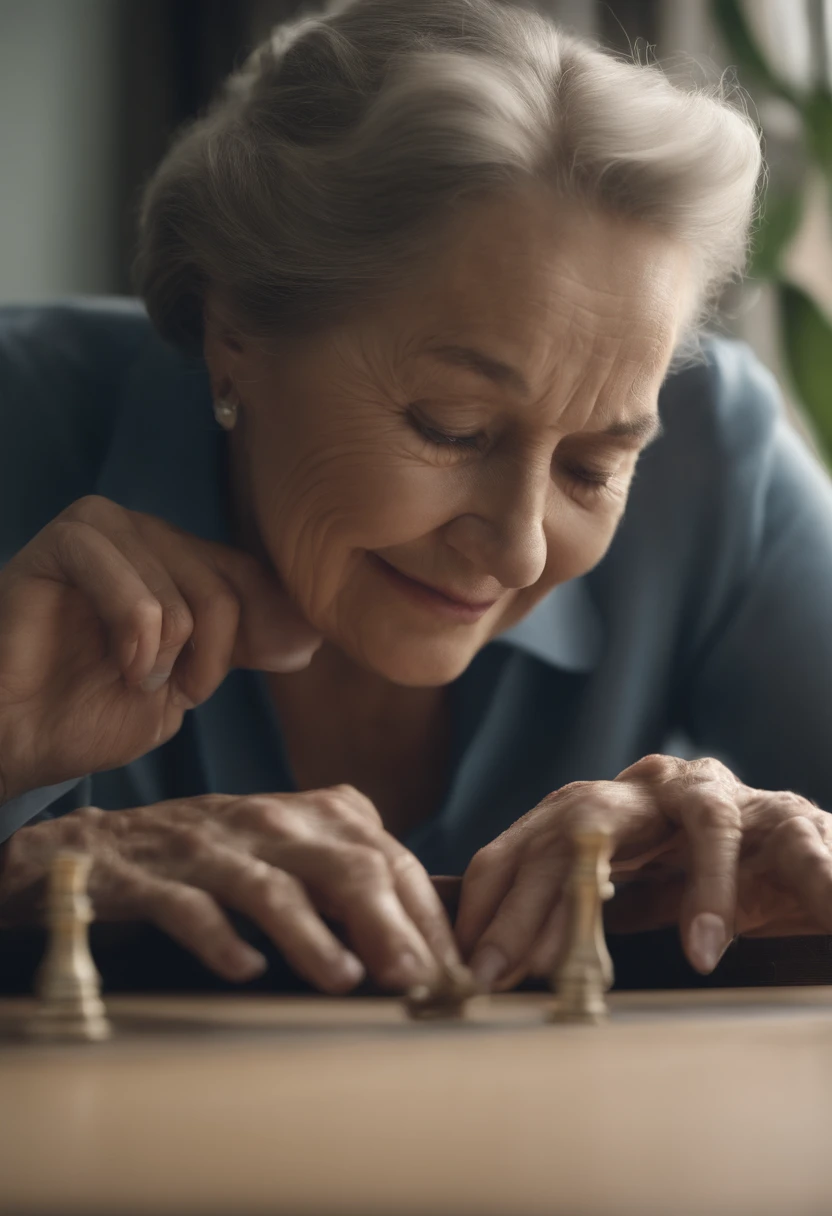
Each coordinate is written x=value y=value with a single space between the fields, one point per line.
x=62 y=367
x=19 y=811
x=761 y=680
x=61 y=371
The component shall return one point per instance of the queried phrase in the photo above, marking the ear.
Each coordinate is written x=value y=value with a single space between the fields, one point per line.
x=223 y=348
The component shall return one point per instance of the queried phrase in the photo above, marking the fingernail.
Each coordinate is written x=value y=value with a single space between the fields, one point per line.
x=286 y=663
x=348 y=970
x=707 y=940
x=407 y=971
x=246 y=963
x=488 y=964
x=154 y=681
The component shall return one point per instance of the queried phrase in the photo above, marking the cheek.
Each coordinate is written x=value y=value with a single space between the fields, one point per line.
x=320 y=510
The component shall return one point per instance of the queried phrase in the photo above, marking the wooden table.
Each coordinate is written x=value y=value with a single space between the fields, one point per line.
x=684 y=1103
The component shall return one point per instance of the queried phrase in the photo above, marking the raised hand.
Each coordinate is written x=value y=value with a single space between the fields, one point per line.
x=112 y=625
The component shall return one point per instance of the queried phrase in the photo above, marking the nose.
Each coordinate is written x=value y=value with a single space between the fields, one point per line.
x=505 y=533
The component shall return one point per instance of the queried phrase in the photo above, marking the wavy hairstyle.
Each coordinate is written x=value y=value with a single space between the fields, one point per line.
x=326 y=165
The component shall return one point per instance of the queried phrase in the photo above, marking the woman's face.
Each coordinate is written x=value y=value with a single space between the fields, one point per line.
x=477 y=433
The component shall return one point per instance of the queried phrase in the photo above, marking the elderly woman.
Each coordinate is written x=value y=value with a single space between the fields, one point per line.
x=416 y=599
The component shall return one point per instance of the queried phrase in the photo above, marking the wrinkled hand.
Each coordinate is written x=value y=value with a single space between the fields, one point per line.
x=112 y=625
x=285 y=860
x=691 y=845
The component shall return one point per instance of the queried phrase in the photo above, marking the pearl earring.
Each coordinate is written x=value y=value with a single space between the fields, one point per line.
x=225 y=412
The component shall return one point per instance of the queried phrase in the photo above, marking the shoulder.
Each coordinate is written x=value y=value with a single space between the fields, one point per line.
x=62 y=367
x=701 y=494
x=723 y=416
x=722 y=401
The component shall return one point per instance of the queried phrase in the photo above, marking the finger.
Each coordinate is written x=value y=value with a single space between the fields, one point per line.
x=547 y=950
x=544 y=953
x=507 y=941
x=713 y=824
x=422 y=904
x=354 y=884
x=279 y=905
x=79 y=555
x=798 y=857
x=177 y=618
x=485 y=884
x=193 y=918
x=215 y=610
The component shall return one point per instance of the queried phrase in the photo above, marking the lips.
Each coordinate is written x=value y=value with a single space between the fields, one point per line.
x=452 y=596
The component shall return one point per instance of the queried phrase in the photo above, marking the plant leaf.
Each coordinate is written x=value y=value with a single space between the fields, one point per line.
x=807 y=342
x=730 y=20
x=779 y=221
x=817 y=121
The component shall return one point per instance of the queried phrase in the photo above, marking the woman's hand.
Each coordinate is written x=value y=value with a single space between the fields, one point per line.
x=285 y=860
x=112 y=625
x=691 y=844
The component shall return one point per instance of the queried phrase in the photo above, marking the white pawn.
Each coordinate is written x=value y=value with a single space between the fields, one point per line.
x=67 y=984
x=584 y=974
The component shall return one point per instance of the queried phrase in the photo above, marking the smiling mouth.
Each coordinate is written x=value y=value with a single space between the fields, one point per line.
x=471 y=606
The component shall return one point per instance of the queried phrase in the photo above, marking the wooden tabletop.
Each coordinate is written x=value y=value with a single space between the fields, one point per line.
x=684 y=1103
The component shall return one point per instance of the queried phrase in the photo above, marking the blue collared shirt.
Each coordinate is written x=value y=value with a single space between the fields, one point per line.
x=709 y=620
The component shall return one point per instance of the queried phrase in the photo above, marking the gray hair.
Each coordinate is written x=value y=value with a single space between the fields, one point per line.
x=328 y=162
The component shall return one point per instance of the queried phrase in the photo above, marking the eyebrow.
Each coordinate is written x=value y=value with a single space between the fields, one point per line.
x=645 y=427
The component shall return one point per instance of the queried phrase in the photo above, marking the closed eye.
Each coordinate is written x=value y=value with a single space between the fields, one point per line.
x=443 y=438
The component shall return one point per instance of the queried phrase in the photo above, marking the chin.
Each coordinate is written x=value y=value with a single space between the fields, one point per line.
x=417 y=664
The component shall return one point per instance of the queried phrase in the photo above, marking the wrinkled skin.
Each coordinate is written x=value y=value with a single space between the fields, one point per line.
x=691 y=845
x=112 y=625
x=494 y=476
x=337 y=456
x=286 y=861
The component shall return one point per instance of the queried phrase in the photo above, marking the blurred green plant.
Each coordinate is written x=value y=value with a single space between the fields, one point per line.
x=806 y=330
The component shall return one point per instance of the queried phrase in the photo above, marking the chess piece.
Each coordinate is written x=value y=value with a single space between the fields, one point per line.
x=447 y=998
x=584 y=973
x=67 y=983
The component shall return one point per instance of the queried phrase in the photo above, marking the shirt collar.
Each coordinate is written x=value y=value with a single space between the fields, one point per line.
x=168 y=458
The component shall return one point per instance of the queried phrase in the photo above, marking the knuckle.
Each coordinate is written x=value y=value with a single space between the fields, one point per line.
x=261 y=814
x=795 y=832
x=404 y=866
x=70 y=537
x=90 y=509
x=177 y=623
x=367 y=866
x=186 y=842
x=716 y=814
x=145 y=615
x=653 y=767
x=79 y=829
x=704 y=770
x=279 y=891
x=792 y=804
x=344 y=800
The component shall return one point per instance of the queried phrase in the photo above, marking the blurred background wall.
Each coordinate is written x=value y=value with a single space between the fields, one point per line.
x=91 y=91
